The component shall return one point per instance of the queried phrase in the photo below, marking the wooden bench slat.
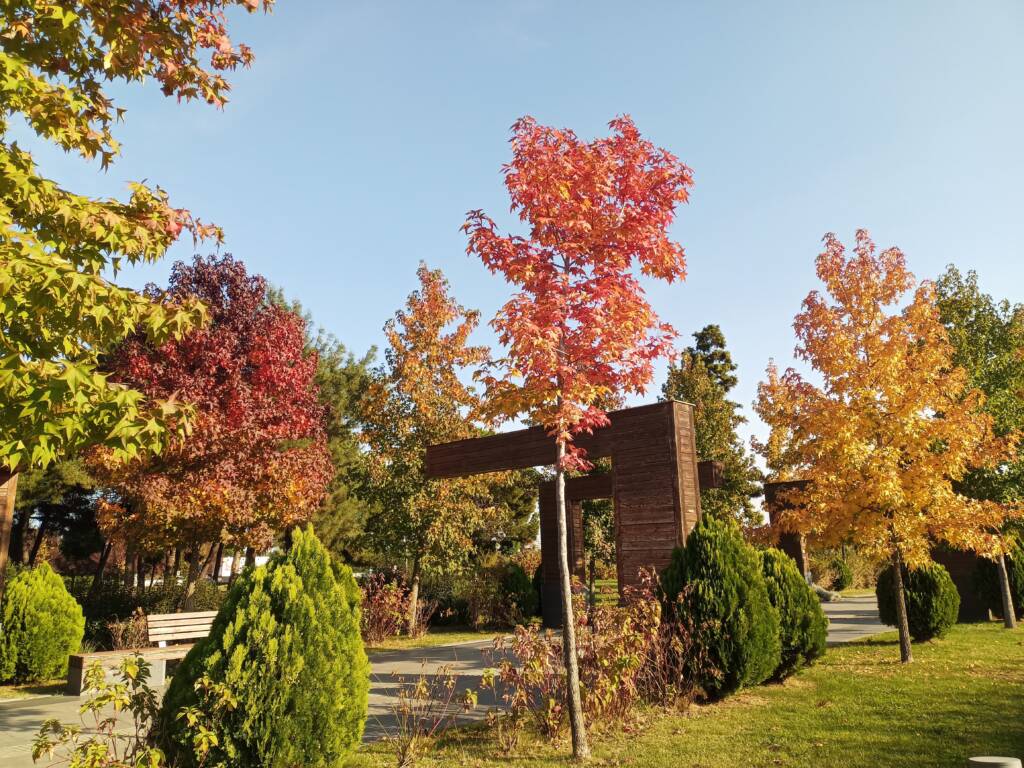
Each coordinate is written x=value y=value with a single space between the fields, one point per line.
x=183 y=625
x=158 y=617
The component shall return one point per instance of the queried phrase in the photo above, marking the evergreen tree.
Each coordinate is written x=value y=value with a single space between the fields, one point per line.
x=286 y=648
x=703 y=377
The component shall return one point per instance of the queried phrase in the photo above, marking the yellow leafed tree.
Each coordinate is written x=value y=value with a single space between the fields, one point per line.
x=893 y=422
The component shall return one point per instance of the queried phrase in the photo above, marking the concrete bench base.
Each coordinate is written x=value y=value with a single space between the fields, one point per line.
x=111 y=660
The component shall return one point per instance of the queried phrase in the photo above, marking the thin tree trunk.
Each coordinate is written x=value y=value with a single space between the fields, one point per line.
x=218 y=560
x=906 y=655
x=235 y=558
x=9 y=486
x=140 y=573
x=580 y=746
x=97 y=577
x=414 y=597
x=591 y=581
x=44 y=525
x=196 y=566
x=18 y=537
x=1009 y=617
x=128 y=574
x=176 y=567
x=250 y=557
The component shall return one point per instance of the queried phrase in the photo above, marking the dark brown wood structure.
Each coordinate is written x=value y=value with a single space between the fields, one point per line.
x=789 y=541
x=654 y=486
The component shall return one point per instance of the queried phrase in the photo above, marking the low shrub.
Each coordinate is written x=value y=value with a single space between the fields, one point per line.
x=803 y=626
x=385 y=608
x=842 y=574
x=499 y=594
x=986 y=582
x=42 y=626
x=728 y=599
x=931 y=598
x=286 y=651
x=107 y=742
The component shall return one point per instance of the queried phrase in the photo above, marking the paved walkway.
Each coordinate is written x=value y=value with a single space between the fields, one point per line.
x=850 y=619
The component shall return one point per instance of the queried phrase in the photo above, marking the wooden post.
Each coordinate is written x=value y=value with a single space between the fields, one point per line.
x=8 y=491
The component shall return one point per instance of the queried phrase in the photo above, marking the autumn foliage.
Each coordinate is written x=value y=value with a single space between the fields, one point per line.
x=894 y=423
x=256 y=459
x=579 y=327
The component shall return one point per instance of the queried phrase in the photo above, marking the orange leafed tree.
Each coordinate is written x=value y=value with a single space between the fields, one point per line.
x=891 y=426
x=579 y=329
x=417 y=400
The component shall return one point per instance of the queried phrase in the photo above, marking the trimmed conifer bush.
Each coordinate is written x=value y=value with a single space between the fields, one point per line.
x=518 y=590
x=286 y=646
x=932 y=600
x=986 y=582
x=42 y=626
x=843 y=574
x=718 y=575
x=803 y=627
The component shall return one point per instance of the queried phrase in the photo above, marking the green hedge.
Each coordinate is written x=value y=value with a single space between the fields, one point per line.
x=718 y=576
x=932 y=600
x=803 y=625
x=843 y=578
x=42 y=626
x=287 y=645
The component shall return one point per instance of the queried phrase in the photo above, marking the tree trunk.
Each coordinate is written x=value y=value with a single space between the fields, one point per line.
x=414 y=597
x=176 y=567
x=580 y=746
x=235 y=558
x=8 y=490
x=140 y=573
x=18 y=537
x=128 y=572
x=196 y=566
x=250 y=557
x=97 y=577
x=906 y=655
x=1009 y=617
x=591 y=582
x=44 y=525
x=217 y=561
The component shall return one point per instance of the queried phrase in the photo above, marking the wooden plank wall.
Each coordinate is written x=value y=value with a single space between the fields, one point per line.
x=789 y=541
x=655 y=486
x=551 y=596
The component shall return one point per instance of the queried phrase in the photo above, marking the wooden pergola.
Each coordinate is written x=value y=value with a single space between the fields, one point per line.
x=654 y=486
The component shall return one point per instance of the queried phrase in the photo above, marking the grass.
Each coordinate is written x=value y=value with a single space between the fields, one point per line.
x=858 y=592
x=434 y=637
x=857 y=707
x=29 y=690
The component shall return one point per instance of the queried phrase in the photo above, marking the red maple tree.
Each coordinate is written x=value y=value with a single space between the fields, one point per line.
x=256 y=460
x=579 y=330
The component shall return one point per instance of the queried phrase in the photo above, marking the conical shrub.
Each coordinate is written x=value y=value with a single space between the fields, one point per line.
x=286 y=647
x=42 y=626
x=803 y=627
x=718 y=576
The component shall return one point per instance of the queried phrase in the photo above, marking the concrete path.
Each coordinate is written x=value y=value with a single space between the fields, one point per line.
x=850 y=619
x=853 y=618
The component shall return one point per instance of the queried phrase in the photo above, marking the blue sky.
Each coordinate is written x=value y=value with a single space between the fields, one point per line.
x=365 y=130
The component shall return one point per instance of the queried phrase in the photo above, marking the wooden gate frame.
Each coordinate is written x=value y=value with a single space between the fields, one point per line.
x=654 y=485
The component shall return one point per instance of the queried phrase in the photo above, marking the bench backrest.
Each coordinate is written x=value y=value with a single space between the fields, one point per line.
x=169 y=627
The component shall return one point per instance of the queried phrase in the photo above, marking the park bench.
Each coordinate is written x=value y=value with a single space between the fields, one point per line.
x=163 y=629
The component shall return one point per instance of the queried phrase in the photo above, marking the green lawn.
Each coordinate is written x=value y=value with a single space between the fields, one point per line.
x=858 y=707
x=434 y=636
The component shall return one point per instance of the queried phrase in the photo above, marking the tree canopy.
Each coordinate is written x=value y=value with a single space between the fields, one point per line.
x=58 y=310
x=703 y=376
x=256 y=460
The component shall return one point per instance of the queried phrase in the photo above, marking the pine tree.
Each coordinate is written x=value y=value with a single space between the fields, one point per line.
x=703 y=376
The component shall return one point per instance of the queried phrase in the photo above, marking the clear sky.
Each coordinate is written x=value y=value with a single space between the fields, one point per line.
x=365 y=130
